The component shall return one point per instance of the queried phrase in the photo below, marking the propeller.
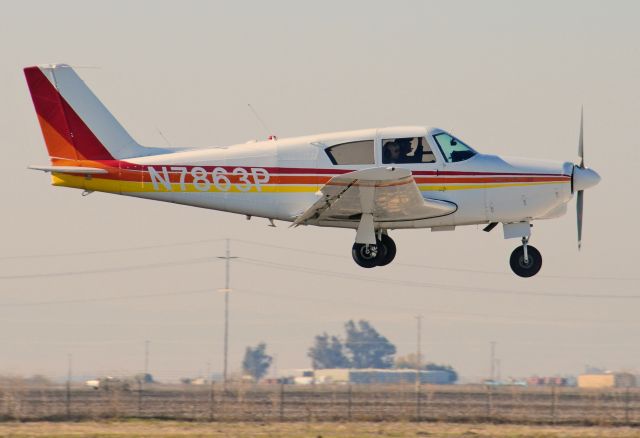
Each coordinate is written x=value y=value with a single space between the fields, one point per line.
x=581 y=179
x=580 y=199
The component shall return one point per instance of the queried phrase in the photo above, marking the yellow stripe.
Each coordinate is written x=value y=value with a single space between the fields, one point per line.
x=116 y=186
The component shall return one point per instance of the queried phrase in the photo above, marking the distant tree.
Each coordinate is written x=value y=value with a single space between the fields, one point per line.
x=369 y=349
x=453 y=375
x=328 y=352
x=144 y=378
x=409 y=362
x=256 y=361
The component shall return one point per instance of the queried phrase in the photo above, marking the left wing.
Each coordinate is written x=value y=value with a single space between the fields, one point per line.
x=370 y=196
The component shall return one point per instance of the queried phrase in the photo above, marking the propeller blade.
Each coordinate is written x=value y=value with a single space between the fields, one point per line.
x=580 y=141
x=579 y=209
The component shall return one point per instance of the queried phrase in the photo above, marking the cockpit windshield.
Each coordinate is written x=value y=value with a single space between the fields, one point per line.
x=453 y=149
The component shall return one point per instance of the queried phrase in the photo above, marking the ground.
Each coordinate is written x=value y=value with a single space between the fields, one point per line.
x=166 y=429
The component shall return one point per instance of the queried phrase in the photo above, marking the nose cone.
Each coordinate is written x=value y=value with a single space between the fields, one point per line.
x=584 y=178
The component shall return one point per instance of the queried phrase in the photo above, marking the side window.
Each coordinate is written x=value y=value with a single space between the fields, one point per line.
x=354 y=152
x=453 y=149
x=407 y=150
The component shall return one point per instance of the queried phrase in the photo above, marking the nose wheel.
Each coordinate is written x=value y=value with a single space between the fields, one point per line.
x=525 y=260
x=380 y=254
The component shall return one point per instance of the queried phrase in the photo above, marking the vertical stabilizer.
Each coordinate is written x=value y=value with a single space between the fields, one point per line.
x=74 y=123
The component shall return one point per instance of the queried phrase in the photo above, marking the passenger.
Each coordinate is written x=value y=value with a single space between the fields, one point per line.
x=391 y=153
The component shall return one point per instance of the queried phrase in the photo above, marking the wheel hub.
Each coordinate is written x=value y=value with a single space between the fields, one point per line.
x=525 y=264
x=369 y=251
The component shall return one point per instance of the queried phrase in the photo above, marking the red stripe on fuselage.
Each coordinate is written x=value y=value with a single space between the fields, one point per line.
x=125 y=171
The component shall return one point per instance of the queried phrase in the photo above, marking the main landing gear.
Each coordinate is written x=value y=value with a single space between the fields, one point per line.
x=380 y=254
x=525 y=260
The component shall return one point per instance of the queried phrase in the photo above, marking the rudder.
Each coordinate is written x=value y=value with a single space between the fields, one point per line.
x=75 y=124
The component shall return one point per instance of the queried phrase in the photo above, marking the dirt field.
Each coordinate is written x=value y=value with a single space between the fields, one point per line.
x=325 y=404
x=149 y=428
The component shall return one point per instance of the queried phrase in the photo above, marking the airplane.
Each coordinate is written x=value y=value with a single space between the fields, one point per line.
x=372 y=180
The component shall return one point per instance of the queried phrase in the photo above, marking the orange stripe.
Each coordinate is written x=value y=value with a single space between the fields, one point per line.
x=57 y=145
x=372 y=184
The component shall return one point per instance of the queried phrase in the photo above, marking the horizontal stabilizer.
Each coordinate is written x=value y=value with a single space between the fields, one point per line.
x=70 y=169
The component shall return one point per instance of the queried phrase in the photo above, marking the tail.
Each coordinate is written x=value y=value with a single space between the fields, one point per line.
x=76 y=126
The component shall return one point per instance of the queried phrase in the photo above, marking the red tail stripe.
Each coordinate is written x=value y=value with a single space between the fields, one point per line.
x=51 y=106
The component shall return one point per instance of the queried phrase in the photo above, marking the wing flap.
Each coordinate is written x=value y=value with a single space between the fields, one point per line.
x=388 y=194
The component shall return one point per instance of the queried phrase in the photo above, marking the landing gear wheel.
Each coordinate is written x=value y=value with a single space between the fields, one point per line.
x=528 y=268
x=386 y=249
x=365 y=255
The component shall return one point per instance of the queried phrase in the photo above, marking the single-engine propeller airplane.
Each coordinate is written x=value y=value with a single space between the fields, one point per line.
x=371 y=180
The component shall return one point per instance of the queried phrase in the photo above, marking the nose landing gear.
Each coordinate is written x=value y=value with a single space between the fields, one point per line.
x=525 y=260
x=380 y=254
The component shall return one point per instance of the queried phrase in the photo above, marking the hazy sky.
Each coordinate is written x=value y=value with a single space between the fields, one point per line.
x=508 y=77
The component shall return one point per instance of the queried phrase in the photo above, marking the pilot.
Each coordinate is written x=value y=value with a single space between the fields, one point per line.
x=391 y=153
x=405 y=147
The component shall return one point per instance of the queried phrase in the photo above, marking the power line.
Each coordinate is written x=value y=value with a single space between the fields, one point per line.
x=315 y=271
x=418 y=284
x=303 y=251
x=431 y=311
x=110 y=251
x=440 y=268
x=109 y=270
x=101 y=299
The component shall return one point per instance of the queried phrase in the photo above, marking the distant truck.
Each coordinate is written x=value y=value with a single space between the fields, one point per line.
x=124 y=384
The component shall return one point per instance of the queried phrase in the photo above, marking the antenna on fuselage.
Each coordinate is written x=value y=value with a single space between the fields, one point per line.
x=270 y=136
x=163 y=137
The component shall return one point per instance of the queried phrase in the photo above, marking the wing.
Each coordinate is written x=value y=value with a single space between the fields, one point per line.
x=379 y=194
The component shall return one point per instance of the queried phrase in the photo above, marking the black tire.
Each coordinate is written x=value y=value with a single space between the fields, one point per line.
x=522 y=269
x=365 y=255
x=386 y=250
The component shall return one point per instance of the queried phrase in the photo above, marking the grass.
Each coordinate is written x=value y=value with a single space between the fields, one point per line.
x=170 y=429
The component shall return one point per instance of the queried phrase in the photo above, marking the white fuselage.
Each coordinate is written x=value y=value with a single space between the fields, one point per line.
x=280 y=179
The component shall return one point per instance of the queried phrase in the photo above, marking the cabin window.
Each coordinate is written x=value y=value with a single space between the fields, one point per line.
x=453 y=149
x=407 y=150
x=354 y=152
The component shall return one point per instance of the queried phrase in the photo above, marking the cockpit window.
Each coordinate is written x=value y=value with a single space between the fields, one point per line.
x=355 y=152
x=453 y=149
x=406 y=150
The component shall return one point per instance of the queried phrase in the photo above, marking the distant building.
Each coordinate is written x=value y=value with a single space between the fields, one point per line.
x=371 y=375
x=548 y=381
x=607 y=380
x=300 y=376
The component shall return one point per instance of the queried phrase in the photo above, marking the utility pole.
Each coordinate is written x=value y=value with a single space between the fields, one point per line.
x=227 y=258
x=493 y=360
x=418 y=343
x=418 y=364
x=68 y=397
x=146 y=358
